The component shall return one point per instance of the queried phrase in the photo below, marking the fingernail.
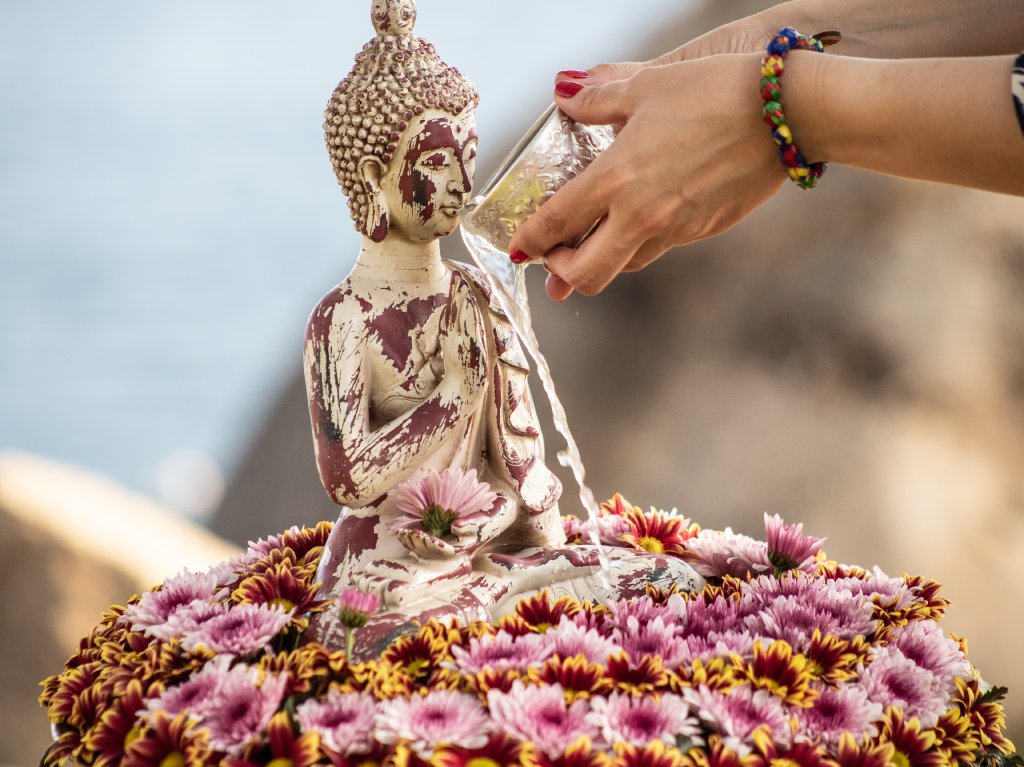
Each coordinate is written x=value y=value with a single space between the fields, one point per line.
x=575 y=74
x=547 y=268
x=518 y=257
x=567 y=89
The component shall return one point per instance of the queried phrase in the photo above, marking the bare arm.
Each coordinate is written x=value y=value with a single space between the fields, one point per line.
x=870 y=28
x=946 y=120
x=694 y=158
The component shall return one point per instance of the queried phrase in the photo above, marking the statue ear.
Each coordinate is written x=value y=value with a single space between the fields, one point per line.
x=371 y=170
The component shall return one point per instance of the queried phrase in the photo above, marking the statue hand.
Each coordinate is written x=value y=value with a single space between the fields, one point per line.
x=424 y=545
x=462 y=343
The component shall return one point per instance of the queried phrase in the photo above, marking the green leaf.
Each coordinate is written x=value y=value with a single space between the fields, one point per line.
x=993 y=694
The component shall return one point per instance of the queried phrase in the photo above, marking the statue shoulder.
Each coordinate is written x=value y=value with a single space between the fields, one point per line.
x=340 y=306
x=475 y=276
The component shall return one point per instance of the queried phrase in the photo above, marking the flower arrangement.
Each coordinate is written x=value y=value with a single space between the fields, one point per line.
x=785 y=659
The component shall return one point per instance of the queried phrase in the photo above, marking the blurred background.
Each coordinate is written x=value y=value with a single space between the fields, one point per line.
x=851 y=357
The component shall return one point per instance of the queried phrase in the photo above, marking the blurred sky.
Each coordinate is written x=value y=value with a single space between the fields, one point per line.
x=168 y=215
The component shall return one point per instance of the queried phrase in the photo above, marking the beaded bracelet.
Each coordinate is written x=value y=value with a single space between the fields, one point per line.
x=805 y=175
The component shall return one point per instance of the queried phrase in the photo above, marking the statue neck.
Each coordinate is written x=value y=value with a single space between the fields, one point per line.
x=398 y=261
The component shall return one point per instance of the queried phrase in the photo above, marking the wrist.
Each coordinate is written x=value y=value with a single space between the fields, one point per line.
x=806 y=100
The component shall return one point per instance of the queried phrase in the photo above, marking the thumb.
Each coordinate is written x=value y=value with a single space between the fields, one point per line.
x=609 y=103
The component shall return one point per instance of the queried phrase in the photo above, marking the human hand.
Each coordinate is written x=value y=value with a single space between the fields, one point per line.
x=692 y=159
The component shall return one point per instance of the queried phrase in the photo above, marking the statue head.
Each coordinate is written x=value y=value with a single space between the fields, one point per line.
x=400 y=131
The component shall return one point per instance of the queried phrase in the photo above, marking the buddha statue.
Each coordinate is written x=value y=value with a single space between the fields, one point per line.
x=411 y=367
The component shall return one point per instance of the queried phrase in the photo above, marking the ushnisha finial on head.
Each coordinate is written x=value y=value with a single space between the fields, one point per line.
x=395 y=78
x=393 y=17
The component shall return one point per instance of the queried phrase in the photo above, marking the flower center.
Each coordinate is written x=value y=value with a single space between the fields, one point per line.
x=438 y=521
x=173 y=759
x=781 y=562
x=482 y=761
x=653 y=545
x=133 y=735
x=900 y=759
x=281 y=761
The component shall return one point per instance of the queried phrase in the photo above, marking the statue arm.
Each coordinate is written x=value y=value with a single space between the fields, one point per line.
x=357 y=462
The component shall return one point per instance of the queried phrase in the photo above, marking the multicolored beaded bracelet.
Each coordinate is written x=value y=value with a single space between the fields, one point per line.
x=805 y=175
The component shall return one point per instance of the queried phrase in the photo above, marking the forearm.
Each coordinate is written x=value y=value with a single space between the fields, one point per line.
x=945 y=120
x=908 y=28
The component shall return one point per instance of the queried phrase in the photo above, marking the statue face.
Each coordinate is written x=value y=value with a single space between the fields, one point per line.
x=430 y=175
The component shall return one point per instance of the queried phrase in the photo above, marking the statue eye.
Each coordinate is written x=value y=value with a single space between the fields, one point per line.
x=436 y=160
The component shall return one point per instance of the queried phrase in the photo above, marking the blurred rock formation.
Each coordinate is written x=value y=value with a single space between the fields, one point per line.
x=851 y=357
x=72 y=544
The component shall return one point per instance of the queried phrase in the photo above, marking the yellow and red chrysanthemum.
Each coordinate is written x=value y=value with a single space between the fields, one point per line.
x=832 y=659
x=283 y=747
x=871 y=754
x=578 y=677
x=794 y=755
x=419 y=657
x=282 y=585
x=116 y=728
x=306 y=668
x=955 y=738
x=717 y=754
x=985 y=713
x=643 y=678
x=540 y=613
x=169 y=741
x=657 y=532
x=913 y=745
x=781 y=671
x=500 y=751
x=715 y=674
x=655 y=754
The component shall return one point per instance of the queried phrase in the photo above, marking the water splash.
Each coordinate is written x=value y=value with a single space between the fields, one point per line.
x=508 y=285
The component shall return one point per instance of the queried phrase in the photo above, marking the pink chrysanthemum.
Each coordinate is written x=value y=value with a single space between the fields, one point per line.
x=355 y=607
x=155 y=608
x=241 y=631
x=927 y=645
x=641 y=640
x=425 y=721
x=836 y=711
x=610 y=529
x=704 y=619
x=188 y=619
x=502 y=651
x=264 y=546
x=737 y=713
x=892 y=679
x=540 y=715
x=645 y=610
x=240 y=709
x=624 y=718
x=194 y=693
x=439 y=502
x=788 y=547
x=570 y=639
x=794 y=619
x=344 y=720
x=877 y=584
x=716 y=554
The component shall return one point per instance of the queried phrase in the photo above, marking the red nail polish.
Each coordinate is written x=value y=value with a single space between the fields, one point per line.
x=518 y=257
x=567 y=89
x=575 y=74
